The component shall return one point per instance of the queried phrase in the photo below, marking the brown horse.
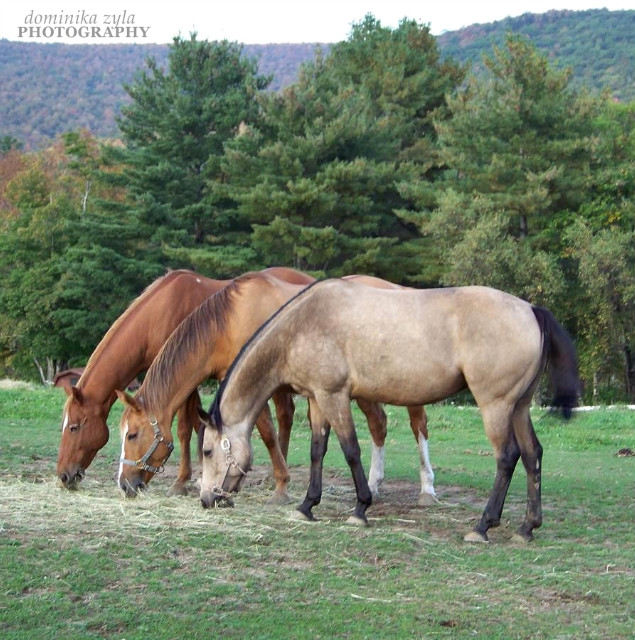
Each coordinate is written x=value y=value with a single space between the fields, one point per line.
x=126 y=350
x=337 y=341
x=203 y=346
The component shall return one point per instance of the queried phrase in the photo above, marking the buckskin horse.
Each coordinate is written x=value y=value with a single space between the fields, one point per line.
x=204 y=345
x=336 y=341
x=126 y=350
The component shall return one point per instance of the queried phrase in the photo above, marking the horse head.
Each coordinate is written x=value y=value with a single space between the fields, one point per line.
x=144 y=448
x=225 y=460
x=84 y=432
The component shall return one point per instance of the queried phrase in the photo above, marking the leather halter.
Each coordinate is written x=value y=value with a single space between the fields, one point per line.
x=230 y=461
x=142 y=463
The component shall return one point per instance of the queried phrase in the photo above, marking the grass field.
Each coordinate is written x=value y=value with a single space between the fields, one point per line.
x=91 y=564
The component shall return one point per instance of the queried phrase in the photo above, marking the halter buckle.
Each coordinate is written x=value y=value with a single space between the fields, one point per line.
x=142 y=463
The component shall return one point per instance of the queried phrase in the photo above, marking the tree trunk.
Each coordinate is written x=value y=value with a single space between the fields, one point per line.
x=41 y=371
x=630 y=373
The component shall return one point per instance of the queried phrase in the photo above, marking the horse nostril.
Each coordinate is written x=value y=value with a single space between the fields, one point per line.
x=64 y=477
x=141 y=486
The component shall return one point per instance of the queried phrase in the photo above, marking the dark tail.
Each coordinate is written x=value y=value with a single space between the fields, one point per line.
x=562 y=361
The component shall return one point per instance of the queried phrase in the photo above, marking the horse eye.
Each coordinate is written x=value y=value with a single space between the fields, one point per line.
x=132 y=436
x=74 y=427
x=207 y=453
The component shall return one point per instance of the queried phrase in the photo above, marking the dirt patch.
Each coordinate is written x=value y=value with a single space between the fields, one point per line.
x=457 y=511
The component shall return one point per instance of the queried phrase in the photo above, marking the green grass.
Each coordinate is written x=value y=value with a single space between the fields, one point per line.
x=91 y=564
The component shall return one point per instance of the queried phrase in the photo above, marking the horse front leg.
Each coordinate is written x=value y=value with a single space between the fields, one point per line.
x=376 y=418
x=285 y=409
x=320 y=430
x=337 y=410
x=187 y=421
x=264 y=424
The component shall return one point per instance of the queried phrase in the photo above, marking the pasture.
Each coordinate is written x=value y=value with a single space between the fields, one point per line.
x=91 y=564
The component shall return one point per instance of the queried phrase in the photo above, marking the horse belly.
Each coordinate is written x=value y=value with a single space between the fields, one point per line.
x=403 y=369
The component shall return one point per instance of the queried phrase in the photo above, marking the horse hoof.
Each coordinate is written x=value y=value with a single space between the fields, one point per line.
x=356 y=521
x=279 y=498
x=522 y=538
x=475 y=536
x=427 y=500
x=296 y=514
x=177 y=490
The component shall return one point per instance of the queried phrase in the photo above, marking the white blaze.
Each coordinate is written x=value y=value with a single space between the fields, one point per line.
x=124 y=433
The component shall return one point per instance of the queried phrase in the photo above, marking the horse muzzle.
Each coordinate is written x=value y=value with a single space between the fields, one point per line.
x=132 y=487
x=70 y=479
x=216 y=498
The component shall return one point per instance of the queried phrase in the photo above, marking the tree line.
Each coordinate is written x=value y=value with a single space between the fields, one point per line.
x=383 y=158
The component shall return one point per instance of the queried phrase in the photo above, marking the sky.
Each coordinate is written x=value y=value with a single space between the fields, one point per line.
x=251 y=21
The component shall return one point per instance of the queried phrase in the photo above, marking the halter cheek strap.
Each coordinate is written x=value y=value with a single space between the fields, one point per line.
x=142 y=463
x=230 y=461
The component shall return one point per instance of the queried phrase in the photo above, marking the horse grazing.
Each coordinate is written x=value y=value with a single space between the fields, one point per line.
x=127 y=349
x=204 y=345
x=337 y=341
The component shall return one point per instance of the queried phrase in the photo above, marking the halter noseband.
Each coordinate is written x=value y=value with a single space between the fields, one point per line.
x=142 y=463
x=230 y=461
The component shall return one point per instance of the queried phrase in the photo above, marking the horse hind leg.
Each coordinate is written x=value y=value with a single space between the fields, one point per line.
x=531 y=455
x=498 y=427
x=419 y=426
x=376 y=418
x=187 y=421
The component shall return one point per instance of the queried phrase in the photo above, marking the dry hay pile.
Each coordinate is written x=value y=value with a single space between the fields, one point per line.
x=41 y=508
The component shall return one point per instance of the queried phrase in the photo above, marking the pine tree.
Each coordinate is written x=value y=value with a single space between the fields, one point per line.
x=319 y=179
x=519 y=147
x=174 y=131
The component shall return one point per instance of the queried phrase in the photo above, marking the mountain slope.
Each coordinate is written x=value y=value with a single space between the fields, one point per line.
x=46 y=89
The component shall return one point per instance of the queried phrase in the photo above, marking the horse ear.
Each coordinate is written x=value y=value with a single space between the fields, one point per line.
x=204 y=417
x=76 y=393
x=128 y=400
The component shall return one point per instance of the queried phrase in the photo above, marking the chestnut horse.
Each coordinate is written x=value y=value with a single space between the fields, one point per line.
x=203 y=346
x=126 y=350
x=336 y=341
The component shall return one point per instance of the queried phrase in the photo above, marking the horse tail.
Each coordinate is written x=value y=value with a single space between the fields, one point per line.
x=560 y=354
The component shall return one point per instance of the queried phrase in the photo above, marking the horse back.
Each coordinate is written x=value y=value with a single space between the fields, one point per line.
x=155 y=318
x=384 y=343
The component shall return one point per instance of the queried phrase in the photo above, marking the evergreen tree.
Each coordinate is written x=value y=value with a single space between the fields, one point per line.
x=174 y=131
x=519 y=147
x=319 y=178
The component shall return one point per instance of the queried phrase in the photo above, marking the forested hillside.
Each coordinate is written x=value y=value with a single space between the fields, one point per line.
x=46 y=89
x=384 y=157
x=598 y=45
